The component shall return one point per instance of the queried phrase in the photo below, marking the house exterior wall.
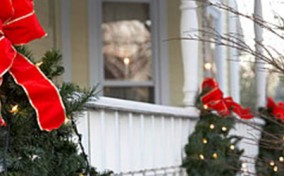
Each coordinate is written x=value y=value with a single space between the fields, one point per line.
x=49 y=14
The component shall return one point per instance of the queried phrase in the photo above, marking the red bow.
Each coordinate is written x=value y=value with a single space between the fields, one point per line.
x=277 y=110
x=214 y=100
x=18 y=26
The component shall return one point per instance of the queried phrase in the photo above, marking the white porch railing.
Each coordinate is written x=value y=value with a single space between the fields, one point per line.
x=125 y=136
x=132 y=138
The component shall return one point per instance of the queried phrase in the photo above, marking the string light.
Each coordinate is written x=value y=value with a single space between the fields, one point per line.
x=215 y=155
x=281 y=159
x=201 y=157
x=205 y=106
x=204 y=140
x=39 y=63
x=244 y=168
x=66 y=121
x=126 y=61
x=208 y=66
x=14 y=109
x=275 y=168
x=271 y=163
x=224 y=129
x=232 y=147
x=211 y=126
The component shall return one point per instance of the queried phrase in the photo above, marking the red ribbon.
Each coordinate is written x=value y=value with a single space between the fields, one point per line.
x=277 y=110
x=214 y=100
x=18 y=26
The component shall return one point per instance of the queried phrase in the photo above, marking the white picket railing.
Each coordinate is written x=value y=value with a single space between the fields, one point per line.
x=126 y=136
x=131 y=137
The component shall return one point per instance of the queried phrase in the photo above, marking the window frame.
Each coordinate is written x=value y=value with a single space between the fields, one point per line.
x=159 y=81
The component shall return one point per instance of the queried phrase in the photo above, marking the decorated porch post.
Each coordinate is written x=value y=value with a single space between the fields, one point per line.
x=188 y=27
x=234 y=64
x=259 y=67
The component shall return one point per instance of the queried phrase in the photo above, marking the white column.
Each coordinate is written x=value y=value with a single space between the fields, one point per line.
x=234 y=79
x=189 y=27
x=259 y=67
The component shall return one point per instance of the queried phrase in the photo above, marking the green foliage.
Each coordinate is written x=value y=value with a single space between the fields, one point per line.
x=270 y=146
x=25 y=150
x=210 y=150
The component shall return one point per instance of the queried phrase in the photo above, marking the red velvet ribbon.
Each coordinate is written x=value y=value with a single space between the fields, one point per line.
x=214 y=100
x=277 y=110
x=18 y=26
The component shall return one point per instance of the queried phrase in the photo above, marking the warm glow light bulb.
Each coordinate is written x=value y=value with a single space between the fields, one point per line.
x=205 y=106
x=14 y=109
x=275 y=168
x=39 y=63
x=201 y=157
x=212 y=126
x=66 y=120
x=215 y=155
x=232 y=147
x=208 y=66
x=126 y=61
x=224 y=129
x=271 y=163
x=281 y=158
x=204 y=141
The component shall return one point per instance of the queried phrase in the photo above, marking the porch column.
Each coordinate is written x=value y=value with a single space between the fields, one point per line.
x=234 y=70
x=259 y=66
x=189 y=27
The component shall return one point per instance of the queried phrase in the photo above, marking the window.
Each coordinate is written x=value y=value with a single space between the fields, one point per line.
x=127 y=51
x=131 y=54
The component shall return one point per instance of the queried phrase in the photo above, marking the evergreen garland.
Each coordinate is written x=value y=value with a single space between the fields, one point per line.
x=25 y=150
x=270 y=160
x=210 y=150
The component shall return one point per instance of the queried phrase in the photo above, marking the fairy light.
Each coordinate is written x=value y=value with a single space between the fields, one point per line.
x=271 y=163
x=205 y=106
x=126 y=61
x=224 y=129
x=211 y=126
x=201 y=157
x=66 y=120
x=281 y=158
x=244 y=168
x=204 y=140
x=215 y=155
x=14 y=109
x=232 y=147
x=39 y=63
x=275 y=168
x=208 y=66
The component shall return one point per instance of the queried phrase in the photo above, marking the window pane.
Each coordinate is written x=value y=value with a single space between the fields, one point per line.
x=144 y=94
x=127 y=41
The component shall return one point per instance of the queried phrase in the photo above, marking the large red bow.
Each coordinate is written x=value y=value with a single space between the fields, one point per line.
x=277 y=110
x=214 y=100
x=18 y=26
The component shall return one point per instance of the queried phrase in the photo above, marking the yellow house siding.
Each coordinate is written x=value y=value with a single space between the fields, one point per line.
x=79 y=44
x=45 y=12
x=175 y=58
